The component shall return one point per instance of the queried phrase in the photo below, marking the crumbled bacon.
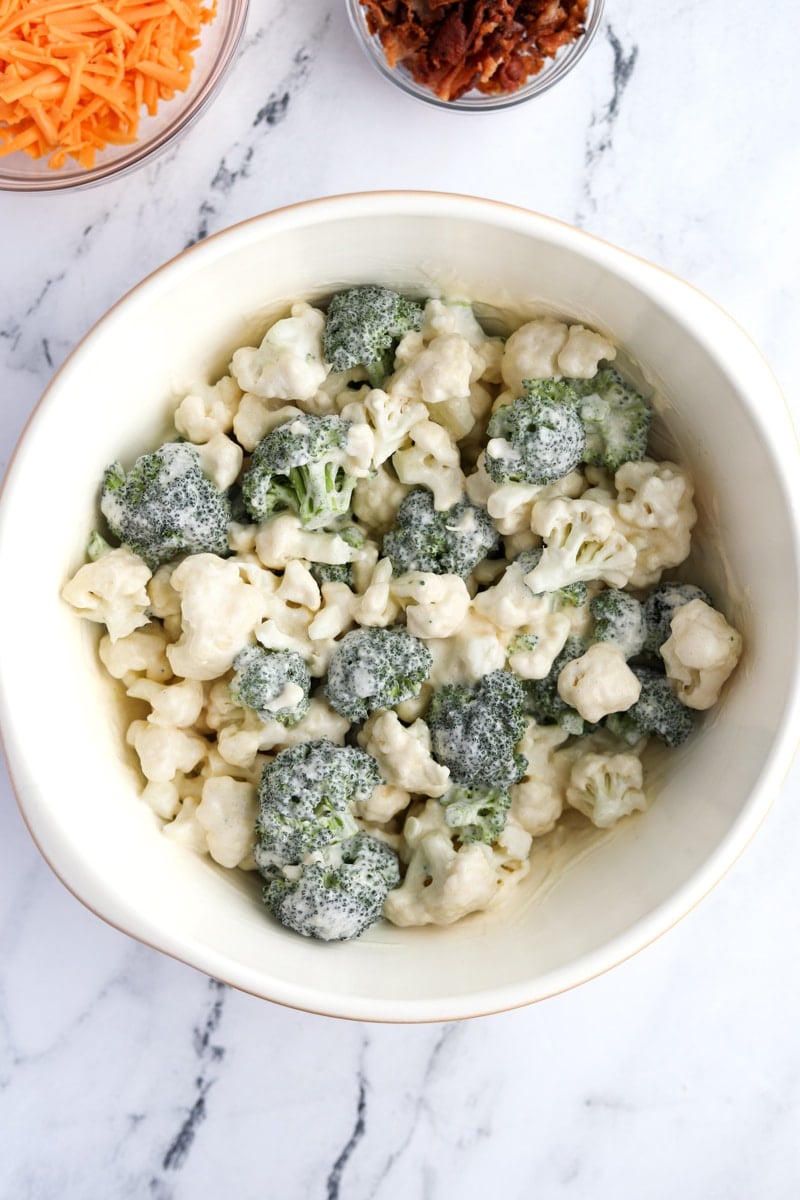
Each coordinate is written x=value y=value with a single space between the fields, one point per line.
x=453 y=46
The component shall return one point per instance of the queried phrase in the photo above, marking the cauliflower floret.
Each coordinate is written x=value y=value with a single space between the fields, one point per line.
x=435 y=373
x=288 y=365
x=656 y=513
x=537 y=801
x=435 y=605
x=185 y=829
x=376 y=500
x=532 y=352
x=166 y=796
x=433 y=461
x=700 y=653
x=222 y=605
x=582 y=542
x=510 y=604
x=390 y=417
x=256 y=417
x=536 y=647
x=359 y=451
x=582 y=352
x=479 y=486
x=227 y=813
x=111 y=591
x=443 y=883
x=383 y=803
x=457 y=316
x=599 y=682
x=298 y=586
x=165 y=751
x=510 y=505
x=164 y=600
x=242 y=735
x=335 y=615
x=606 y=787
x=441 y=374
x=289 y=611
x=376 y=606
x=476 y=649
x=221 y=460
x=283 y=538
x=178 y=704
x=142 y=652
x=403 y=754
x=208 y=409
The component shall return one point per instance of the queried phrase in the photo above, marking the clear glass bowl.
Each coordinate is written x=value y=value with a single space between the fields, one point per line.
x=553 y=70
x=219 y=41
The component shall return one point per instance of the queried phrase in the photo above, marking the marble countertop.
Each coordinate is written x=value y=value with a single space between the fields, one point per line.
x=125 y=1074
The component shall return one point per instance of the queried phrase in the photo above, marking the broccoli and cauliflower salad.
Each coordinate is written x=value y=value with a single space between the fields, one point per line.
x=396 y=595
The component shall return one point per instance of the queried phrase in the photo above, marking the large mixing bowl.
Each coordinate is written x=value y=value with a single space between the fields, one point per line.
x=588 y=903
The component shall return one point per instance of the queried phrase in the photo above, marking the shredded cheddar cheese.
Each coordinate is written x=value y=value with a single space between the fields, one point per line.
x=75 y=77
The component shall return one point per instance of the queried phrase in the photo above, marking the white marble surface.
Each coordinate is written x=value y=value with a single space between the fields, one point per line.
x=124 y=1074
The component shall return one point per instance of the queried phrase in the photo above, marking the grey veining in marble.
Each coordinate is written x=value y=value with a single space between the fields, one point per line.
x=124 y=1074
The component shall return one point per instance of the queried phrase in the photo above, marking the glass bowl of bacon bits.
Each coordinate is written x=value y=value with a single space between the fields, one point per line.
x=476 y=56
x=90 y=91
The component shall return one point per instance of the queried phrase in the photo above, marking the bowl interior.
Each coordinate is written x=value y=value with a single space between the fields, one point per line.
x=218 y=43
x=591 y=898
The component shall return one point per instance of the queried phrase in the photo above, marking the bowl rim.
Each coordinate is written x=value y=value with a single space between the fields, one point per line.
x=75 y=178
x=682 y=300
x=553 y=71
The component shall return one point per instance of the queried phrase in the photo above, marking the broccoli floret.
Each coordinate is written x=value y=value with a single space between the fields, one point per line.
x=542 y=696
x=363 y=324
x=332 y=573
x=477 y=813
x=571 y=595
x=298 y=467
x=451 y=542
x=339 y=897
x=97 y=546
x=275 y=683
x=615 y=417
x=658 y=710
x=375 y=668
x=660 y=607
x=474 y=731
x=537 y=439
x=339 y=572
x=306 y=800
x=619 y=618
x=165 y=505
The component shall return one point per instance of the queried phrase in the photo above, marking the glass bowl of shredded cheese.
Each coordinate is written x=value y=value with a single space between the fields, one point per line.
x=495 y=56
x=89 y=92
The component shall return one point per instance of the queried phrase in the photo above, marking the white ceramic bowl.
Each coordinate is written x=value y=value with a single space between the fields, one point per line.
x=589 y=906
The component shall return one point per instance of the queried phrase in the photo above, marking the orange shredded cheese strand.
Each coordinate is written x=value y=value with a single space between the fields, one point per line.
x=76 y=77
